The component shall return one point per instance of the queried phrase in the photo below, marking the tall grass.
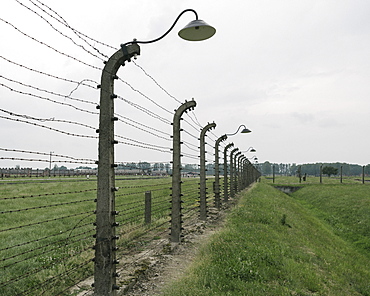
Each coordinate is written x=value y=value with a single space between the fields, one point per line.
x=346 y=208
x=272 y=245
x=46 y=231
x=46 y=228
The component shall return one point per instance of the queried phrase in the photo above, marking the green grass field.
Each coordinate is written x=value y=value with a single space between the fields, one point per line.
x=45 y=235
x=346 y=209
x=313 y=242
x=46 y=227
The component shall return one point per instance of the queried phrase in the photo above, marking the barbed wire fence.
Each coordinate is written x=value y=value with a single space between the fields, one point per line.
x=47 y=223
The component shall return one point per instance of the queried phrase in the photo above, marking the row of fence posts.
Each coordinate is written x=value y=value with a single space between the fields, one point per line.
x=244 y=176
x=321 y=173
x=105 y=275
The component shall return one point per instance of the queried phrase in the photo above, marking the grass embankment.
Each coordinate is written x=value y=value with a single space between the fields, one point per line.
x=272 y=245
x=345 y=208
x=289 y=180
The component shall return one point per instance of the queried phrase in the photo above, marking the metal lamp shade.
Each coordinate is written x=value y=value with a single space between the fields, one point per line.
x=197 y=30
x=245 y=131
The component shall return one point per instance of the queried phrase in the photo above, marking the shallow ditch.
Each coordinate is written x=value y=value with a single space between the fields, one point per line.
x=287 y=189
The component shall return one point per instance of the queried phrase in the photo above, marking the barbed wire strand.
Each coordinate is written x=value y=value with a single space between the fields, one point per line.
x=50 y=128
x=55 y=29
x=51 y=75
x=47 y=99
x=78 y=33
x=165 y=91
x=44 y=160
x=49 y=46
x=155 y=81
x=145 y=110
x=45 y=153
x=137 y=143
x=145 y=96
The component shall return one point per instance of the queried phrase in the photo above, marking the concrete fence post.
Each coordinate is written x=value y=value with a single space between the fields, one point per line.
x=105 y=243
x=217 y=172
x=363 y=174
x=232 y=172
x=148 y=207
x=249 y=172
x=203 y=180
x=245 y=173
x=226 y=181
x=176 y=215
x=241 y=173
x=236 y=171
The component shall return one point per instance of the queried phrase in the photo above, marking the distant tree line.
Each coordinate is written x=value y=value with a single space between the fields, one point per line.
x=312 y=169
x=266 y=168
x=130 y=168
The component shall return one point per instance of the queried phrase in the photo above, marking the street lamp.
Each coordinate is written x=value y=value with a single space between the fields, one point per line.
x=196 y=30
x=245 y=130
x=105 y=246
x=250 y=149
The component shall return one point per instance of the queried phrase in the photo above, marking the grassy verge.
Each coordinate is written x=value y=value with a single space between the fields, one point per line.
x=345 y=208
x=313 y=180
x=272 y=245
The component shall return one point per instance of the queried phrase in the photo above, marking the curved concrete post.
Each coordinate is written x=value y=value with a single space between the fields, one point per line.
x=176 y=172
x=226 y=191
x=240 y=170
x=217 y=171
x=105 y=243
x=236 y=171
x=245 y=181
x=232 y=172
x=202 y=183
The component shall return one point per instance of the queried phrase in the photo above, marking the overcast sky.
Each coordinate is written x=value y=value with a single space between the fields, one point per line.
x=296 y=73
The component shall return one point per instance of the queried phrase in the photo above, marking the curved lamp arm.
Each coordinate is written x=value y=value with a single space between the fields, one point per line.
x=244 y=131
x=196 y=24
x=251 y=149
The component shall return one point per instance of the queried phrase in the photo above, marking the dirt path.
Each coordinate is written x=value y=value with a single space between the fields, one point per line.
x=166 y=263
x=147 y=271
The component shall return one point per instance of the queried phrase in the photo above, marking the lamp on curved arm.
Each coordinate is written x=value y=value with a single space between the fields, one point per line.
x=245 y=130
x=105 y=254
x=250 y=149
x=255 y=158
x=196 y=30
